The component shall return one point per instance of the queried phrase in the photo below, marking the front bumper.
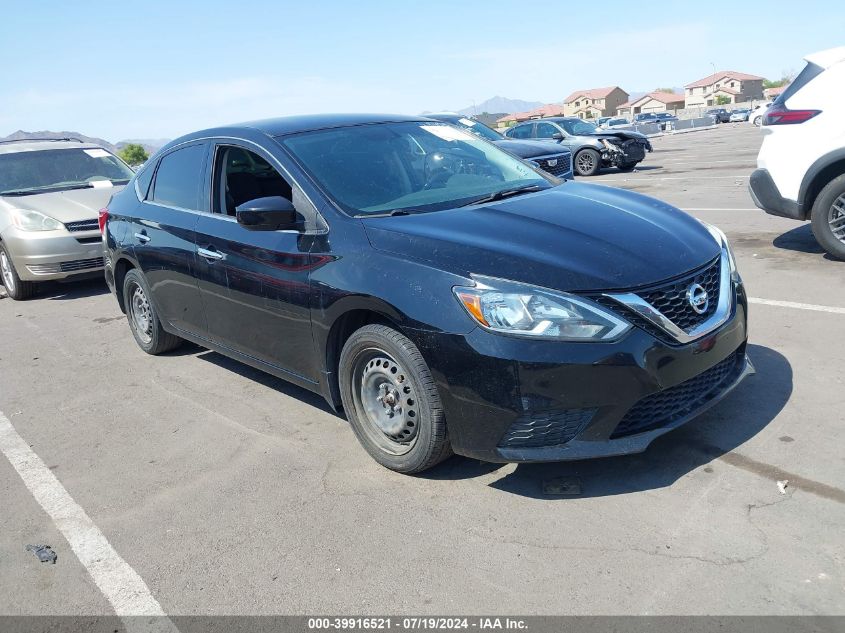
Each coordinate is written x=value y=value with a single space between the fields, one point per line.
x=766 y=196
x=567 y=401
x=47 y=255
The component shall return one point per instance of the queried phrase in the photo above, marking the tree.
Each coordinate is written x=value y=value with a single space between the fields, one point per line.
x=786 y=77
x=669 y=90
x=722 y=100
x=134 y=154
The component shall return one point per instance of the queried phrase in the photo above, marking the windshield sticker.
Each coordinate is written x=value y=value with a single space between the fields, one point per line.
x=101 y=184
x=96 y=153
x=448 y=133
x=467 y=122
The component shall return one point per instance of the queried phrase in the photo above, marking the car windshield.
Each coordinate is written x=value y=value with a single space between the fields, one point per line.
x=477 y=128
x=408 y=167
x=618 y=122
x=577 y=128
x=32 y=172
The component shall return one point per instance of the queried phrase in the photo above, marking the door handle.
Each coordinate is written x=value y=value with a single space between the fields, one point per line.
x=143 y=237
x=210 y=255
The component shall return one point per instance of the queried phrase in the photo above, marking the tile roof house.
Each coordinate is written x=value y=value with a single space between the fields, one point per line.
x=771 y=93
x=736 y=87
x=595 y=102
x=652 y=102
x=550 y=109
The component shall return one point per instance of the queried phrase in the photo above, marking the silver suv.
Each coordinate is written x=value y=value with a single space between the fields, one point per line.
x=50 y=194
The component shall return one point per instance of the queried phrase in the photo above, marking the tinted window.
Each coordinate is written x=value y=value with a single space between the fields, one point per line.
x=178 y=177
x=546 y=130
x=521 y=131
x=241 y=176
x=143 y=180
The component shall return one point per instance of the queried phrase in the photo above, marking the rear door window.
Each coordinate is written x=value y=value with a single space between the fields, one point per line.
x=521 y=131
x=178 y=180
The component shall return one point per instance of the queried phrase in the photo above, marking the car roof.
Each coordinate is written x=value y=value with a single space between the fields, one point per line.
x=309 y=122
x=30 y=145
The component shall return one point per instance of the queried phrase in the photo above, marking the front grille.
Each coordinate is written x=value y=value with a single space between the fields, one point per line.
x=671 y=299
x=82 y=225
x=561 y=166
x=81 y=264
x=664 y=407
x=546 y=428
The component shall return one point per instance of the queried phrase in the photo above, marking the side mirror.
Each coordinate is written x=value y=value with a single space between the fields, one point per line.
x=266 y=214
x=557 y=136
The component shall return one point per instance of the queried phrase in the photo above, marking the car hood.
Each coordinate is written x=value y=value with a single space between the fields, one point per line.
x=574 y=237
x=531 y=149
x=65 y=206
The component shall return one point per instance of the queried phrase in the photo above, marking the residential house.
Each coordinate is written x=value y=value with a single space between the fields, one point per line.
x=734 y=86
x=771 y=93
x=652 y=102
x=595 y=102
x=544 y=111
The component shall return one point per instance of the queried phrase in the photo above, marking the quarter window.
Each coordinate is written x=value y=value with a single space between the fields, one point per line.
x=179 y=176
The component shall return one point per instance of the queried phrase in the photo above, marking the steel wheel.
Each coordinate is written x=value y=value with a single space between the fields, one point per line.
x=836 y=218
x=140 y=313
x=386 y=401
x=8 y=275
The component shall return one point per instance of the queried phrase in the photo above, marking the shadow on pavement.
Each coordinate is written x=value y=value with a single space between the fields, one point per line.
x=728 y=425
x=801 y=240
x=69 y=290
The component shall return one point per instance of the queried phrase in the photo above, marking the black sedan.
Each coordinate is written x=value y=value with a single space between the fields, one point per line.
x=547 y=155
x=446 y=295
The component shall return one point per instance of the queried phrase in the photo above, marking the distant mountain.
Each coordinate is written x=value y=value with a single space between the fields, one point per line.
x=20 y=135
x=151 y=145
x=501 y=104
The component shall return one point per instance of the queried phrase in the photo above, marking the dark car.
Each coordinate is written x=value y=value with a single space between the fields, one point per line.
x=447 y=296
x=591 y=148
x=719 y=115
x=646 y=117
x=546 y=155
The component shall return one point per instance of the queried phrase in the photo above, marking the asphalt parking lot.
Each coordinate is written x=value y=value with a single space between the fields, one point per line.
x=225 y=491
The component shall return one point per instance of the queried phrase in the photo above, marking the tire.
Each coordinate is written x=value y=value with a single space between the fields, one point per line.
x=587 y=162
x=626 y=167
x=758 y=120
x=16 y=288
x=143 y=319
x=828 y=217
x=391 y=401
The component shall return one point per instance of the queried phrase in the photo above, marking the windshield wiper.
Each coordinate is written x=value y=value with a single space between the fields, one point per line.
x=51 y=189
x=504 y=193
x=388 y=214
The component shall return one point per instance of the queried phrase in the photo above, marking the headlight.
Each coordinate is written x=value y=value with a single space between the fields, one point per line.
x=514 y=308
x=34 y=221
x=722 y=239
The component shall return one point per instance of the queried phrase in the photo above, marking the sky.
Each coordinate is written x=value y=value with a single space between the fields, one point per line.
x=159 y=69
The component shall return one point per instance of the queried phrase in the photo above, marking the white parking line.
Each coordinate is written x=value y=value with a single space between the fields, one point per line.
x=797 y=306
x=715 y=209
x=120 y=584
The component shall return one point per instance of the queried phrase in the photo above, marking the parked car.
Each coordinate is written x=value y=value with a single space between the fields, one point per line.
x=546 y=155
x=756 y=114
x=801 y=165
x=445 y=295
x=664 y=118
x=609 y=124
x=602 y=120
x=50 y=193
x=719 y=115
x=591 y=148
x=738 y=116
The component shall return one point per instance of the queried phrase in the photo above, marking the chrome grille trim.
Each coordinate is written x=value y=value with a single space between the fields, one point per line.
x=647 y=311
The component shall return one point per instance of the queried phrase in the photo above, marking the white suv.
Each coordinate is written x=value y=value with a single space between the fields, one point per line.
x=801 y=166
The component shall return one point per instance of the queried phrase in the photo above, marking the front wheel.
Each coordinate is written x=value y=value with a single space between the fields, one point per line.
x=828 y=217
x=391 y=400
x=758 y=120
x=16 y=288
x=587 y=162
x=143 y=319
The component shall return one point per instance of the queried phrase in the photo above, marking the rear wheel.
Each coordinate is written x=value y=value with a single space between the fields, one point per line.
x=828 y=217
x=16 y=288
x=587 y=162
x=758 y=120
x=391 y=400
x=143 y=318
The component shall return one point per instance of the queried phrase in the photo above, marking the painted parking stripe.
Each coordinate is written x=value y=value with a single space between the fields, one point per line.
x=120 y=584
x=797 y=306
x=716 y=209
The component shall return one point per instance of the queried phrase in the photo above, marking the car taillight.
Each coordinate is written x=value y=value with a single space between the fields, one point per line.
x=781 y=115
x=102 y=218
